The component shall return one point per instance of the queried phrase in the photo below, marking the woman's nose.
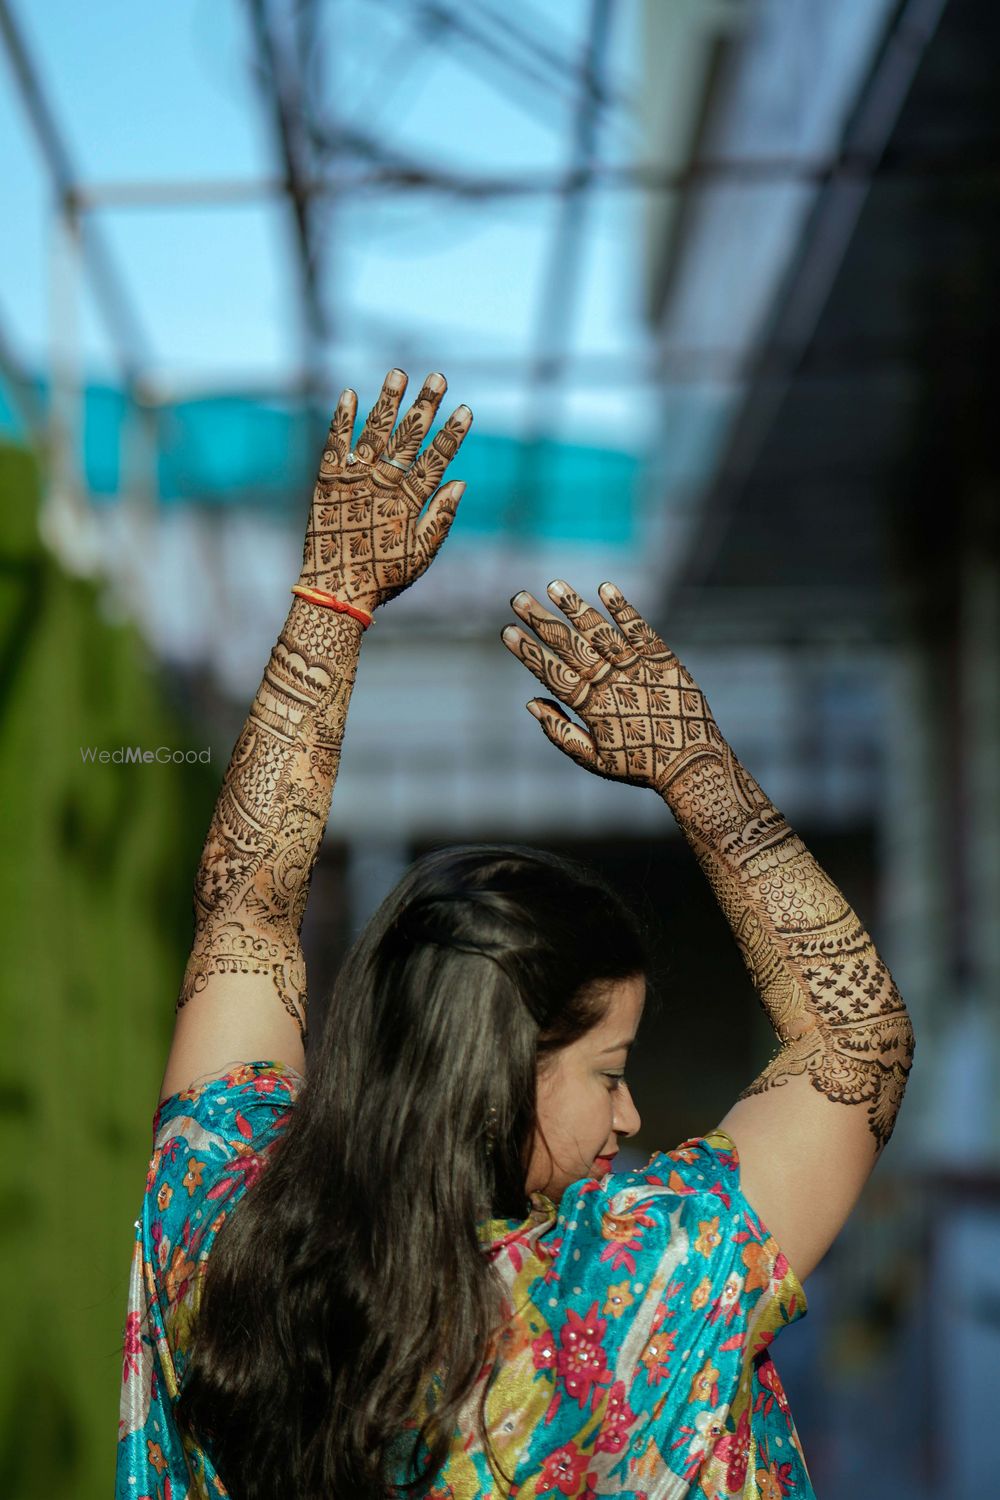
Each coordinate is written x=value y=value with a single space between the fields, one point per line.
x=626 y=1119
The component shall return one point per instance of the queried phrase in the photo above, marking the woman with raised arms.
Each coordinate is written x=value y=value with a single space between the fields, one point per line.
x=410 y=1266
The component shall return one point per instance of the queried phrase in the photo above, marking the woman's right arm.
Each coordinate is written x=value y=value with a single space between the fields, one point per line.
x=810 y=1128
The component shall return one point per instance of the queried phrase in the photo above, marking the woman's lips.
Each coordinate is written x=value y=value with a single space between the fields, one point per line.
x=605 y=1161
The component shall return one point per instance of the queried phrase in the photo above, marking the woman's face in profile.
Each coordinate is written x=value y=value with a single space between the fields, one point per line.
x=584 y=1104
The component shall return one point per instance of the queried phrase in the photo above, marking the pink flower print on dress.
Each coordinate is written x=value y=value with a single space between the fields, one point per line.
x=132 y=1345
x=773 y=1392
x=618 y=1418
x=563 y=1470
x=733 y=1448
x=582 y=1361
x=267 y=1083
x=543 y=1351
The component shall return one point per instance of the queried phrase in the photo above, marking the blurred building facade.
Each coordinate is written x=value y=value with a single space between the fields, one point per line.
x=838 y=291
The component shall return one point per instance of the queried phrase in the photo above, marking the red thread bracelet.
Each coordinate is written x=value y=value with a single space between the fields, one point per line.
x=330 y=601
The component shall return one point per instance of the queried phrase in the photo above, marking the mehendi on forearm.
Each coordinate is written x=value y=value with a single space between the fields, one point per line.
x=821 y=982
x=253 y=879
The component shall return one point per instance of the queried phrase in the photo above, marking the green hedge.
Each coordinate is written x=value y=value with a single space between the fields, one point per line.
x=96 y=871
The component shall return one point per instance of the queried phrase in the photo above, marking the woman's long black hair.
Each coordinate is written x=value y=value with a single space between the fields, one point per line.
x=352 y=1272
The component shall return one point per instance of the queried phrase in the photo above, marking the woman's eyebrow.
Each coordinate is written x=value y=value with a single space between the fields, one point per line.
x=616 y=1046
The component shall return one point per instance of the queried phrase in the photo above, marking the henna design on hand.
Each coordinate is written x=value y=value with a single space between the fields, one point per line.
x=829 y=996
x=367 y=539
x=647 y=718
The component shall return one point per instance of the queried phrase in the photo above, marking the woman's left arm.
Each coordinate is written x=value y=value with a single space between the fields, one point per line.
x=243 y=994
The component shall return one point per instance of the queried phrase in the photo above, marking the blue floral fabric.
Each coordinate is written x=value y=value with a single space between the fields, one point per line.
x=635 y=1359
x=210 y=1143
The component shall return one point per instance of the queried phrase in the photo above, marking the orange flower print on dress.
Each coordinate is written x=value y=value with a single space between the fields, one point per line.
x=772 y=1482
x=192 y=1177
x=705 y=1385
x=656 y=1356
x=164 y=1196
x=625 y=1233
x=178 y=1275
x=619 y=1298
x=758 y=1263
x=513 y=1338
x=685 y=1153
x=155 y=1455
x=242 y=1073
x=701 y=1293
x=152 y=1170
x=676 y=1184
x=648 y=1463
x=709 y=1237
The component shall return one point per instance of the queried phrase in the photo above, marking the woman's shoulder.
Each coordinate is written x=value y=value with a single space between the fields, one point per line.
x=682 y=1217
x=211 y=1139
x=211 y=1142
x=252 y=1091
x=703 y=1166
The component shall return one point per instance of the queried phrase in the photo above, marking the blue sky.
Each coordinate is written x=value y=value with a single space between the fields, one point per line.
x=166 y=93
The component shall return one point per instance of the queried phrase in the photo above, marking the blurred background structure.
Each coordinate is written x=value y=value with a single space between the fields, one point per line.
x=718 y=278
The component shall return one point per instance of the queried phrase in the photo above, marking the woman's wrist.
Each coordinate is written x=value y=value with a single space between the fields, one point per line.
x=323 y=599
x=717 y=802
x=327 y=631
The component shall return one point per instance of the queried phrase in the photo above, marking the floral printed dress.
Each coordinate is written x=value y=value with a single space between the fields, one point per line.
x=636 y=1360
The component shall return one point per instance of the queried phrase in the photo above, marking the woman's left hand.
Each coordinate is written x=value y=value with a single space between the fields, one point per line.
x=367 y=539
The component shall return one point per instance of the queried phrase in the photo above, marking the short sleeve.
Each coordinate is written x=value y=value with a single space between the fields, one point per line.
x=210 y=1144
x=726 y=1230
x=671 y=1272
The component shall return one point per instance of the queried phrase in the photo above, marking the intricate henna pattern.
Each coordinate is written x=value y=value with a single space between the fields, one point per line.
x=647 y=718
x=264 y=838
x=367 y=539
x=364 y=542
x=830 y=998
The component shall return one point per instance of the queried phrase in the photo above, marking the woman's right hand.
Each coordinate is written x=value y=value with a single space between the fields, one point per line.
x=646 y=719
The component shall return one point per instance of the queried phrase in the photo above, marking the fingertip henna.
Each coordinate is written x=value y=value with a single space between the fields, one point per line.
x=365 y=539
